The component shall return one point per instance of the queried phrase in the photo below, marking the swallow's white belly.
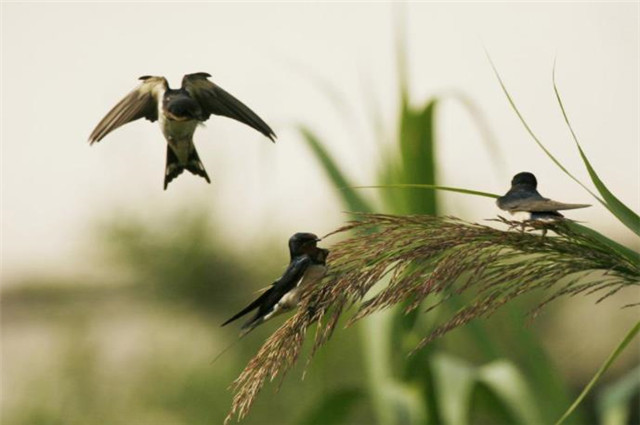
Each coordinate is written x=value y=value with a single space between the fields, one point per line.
x=521 y=215
x=543 y=217
x=179 y=135
x=291 y=299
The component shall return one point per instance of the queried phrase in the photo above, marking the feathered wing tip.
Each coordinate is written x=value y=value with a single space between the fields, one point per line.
x=174 y=168
x=534 y=204
x=141 y=102
x=573 y=206
x=216 y=100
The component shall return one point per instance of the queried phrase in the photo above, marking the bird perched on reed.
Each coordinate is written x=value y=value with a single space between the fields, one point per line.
x=179 y=111
x=306 y=267
x=524 y=201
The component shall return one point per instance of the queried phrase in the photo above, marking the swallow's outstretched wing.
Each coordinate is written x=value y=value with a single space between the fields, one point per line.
x=548 y=205
x=531 y=201
x=215 y=100
x=142 y=102
x=266 y=302
x=535 y=204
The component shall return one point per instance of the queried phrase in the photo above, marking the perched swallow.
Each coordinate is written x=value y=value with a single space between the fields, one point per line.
x=524 y=200
x=307 y=266
x=179 y=112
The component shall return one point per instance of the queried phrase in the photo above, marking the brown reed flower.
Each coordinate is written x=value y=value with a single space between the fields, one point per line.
x=441 y=257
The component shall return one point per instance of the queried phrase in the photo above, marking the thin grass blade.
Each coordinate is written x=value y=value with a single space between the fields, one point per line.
x=430 y=187
x=605 y=366
x=614 y=403
x=532 y=134
x=611 y=202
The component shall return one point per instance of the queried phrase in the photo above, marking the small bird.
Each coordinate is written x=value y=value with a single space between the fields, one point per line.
x=179 y=111
x=307 y=266
x=523 y=200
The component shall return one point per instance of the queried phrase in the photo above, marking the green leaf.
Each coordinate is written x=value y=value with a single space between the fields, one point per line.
x=455 y=380
x=612 y=357
x=417 y=153
x=349 y=197
x=611 y=202
x=543 y=377
x=506 y=381
x=414 y=162
x=334 y=408
x=614 y=402
x=396 y=402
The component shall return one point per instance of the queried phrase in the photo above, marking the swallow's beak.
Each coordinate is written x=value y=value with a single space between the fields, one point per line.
x=318 y=239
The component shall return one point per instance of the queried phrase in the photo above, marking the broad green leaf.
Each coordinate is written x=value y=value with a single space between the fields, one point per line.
x=417 y=152
x=334 y=408
x=605 y=366
x=349 y=197
x=407 y=402
x=614 y=403
x=455 y=380
x=611 y=202
x=543 y=377
x=395 y=402
x=508 y=383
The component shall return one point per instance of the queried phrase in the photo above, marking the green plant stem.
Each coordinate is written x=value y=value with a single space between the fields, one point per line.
x=427 y=186
x=605 y=366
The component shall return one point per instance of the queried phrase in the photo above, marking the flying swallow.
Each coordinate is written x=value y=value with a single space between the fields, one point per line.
x=307 y=266
x=524 y=200
x=179 y=111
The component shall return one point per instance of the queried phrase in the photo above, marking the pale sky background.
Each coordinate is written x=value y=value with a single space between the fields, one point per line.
x=64 y=65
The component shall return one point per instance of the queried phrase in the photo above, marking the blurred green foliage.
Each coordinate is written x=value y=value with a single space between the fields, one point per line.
x=139 y=350
x=181 y=262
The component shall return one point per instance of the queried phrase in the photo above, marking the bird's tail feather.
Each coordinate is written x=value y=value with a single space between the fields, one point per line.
x=174 y=168
x=255 y=304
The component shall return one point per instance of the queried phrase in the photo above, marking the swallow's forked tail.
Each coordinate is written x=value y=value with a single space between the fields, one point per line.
x=174 y=168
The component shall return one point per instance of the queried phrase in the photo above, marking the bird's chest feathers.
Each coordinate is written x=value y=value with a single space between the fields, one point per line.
x=176 y=131
x=313 y=274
